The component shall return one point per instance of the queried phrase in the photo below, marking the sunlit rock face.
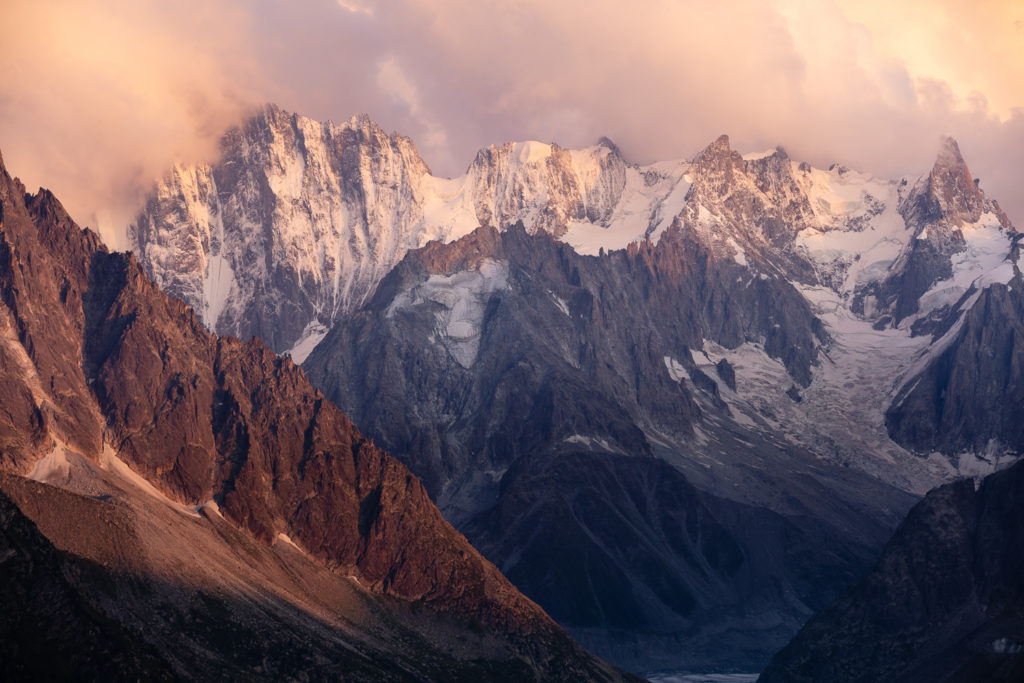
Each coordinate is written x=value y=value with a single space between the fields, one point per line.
x=214 y=511
x=297 y=221
x=291 y=225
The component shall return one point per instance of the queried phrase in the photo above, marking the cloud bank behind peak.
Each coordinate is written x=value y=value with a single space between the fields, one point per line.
x=96 y=101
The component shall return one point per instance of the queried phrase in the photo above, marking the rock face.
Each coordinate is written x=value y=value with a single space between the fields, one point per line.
x=537 y=391
x=105 y=370
x=42 y=329
x=760 y=201
x=297 y=221
x=530 y=344
x=545 y=186
x=944 y=603
x=967 y=400
x=963 y=401
x=292 y=225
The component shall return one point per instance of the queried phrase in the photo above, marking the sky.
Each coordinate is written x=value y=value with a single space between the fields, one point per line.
x=98 y=99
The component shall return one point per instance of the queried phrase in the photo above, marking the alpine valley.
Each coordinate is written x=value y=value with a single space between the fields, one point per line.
x=682 y=407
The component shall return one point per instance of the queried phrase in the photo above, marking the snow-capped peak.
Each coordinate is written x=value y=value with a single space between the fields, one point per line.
x=298 y=220
x=530 y=152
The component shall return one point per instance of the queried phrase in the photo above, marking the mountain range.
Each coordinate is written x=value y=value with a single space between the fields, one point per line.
x=635 y=365
x=682 y=406
x=178 y=505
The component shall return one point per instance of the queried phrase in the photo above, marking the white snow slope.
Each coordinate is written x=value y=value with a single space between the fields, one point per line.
x=856 y=238
x=298 y=220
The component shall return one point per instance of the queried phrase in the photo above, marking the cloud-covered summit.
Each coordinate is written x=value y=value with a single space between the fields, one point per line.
x=96 y=101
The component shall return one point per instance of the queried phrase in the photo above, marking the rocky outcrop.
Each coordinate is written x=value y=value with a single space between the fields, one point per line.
x=963 y=400
x=967 y=399
x=41 y=328
x=944 y=603
x=753 y=207
x=109 y=363
x=938 y=208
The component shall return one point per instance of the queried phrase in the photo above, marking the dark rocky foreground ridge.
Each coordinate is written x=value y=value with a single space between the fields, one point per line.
x=944 y=603
x=44 y=614
x=115 y=391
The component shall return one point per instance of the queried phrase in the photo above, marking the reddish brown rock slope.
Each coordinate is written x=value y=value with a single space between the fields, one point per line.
x=94 y=353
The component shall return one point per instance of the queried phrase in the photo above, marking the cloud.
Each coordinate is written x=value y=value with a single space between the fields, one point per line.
x=392 y=79
x=97 y=101
x=974 y=47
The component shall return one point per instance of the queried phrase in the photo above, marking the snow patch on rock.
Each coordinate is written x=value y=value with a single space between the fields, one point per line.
x=593 y=443
x=754 y=156
x=530 y=152
x=675 y=369
x=562 y=304
x=313 y=334
x=653 y=197
x=463 y=298
x=984 y=262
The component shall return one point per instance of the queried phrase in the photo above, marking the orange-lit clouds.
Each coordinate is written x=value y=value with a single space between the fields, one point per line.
x=975 y=46
x=96 y=102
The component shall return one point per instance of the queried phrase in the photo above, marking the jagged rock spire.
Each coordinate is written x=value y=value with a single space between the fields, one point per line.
x=717 y=149
x=949 y=153
x=951 y=188
x=607 y=142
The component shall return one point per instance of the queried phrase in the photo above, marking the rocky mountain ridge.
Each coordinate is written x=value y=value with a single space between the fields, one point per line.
x=297 y=221
x=780 y=335
x=727 y=348
x=944 y=602
x=581 y=381
x=116 y=391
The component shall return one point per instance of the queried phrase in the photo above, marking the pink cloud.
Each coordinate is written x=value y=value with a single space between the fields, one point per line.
x=96 y=102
